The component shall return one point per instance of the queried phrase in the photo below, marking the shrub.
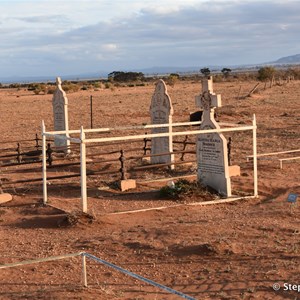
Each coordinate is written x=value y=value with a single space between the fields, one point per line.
x=51 y=90
x=108 y=85
x=70 y=87
x=97 y=85
x=172 y=79
x=38 y=88
x=140 y=84
x=184 y=188
x=266 y=73
x=15 y=85
x=218 y=78
x=295 y=72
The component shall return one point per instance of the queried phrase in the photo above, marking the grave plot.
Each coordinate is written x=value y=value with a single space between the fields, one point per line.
x=139 y=160
x=124 y=170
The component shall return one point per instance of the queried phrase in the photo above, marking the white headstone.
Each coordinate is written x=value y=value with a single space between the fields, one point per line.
x=161 y=113
x=212 y=156
x=60 y=113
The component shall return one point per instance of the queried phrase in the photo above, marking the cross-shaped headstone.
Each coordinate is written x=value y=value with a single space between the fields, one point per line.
x=58 y=81
x=208 y=101
x=212 y=158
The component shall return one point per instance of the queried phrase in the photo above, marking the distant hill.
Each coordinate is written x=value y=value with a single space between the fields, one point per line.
x=292 y=59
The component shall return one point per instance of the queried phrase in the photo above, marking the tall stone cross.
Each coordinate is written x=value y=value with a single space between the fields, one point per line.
x=212 y=158
x=161 y=111
x=208 y=101
x=60 y=115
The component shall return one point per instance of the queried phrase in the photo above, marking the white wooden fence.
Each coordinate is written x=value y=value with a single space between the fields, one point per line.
x=83 y=141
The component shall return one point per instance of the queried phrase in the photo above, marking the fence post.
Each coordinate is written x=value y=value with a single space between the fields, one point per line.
x=91 y=107
x=229 y=150
x=49 y=154
x=37 y=146
x=184 y=146
x=172 y=167
x=255 y=156
x=44 y=163
x=123 y=168
x=253 y=90
x=145 y=145
x=83 y=170
x=19 y=156
x=84 y=275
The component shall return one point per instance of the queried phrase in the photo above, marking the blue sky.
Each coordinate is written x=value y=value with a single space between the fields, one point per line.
x=72 y=37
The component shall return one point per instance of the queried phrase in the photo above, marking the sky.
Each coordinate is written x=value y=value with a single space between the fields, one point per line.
x=49 y=37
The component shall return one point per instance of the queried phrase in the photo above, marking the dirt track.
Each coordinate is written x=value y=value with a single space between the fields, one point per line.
x=229 y=251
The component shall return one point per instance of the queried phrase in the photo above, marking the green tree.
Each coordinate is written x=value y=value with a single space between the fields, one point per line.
x=120 y=76
x=226 y=72
x=205 y=71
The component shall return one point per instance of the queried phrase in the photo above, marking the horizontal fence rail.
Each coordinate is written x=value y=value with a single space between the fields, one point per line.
x=273 y=153
x=99 y=130
x=151 y=135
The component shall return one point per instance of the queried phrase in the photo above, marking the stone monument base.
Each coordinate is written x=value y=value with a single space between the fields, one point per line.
x=127 y=184
x=146 y=160
x=234 y=170
x=5 y=198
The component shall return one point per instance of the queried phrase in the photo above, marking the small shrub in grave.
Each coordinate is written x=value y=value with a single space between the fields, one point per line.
x=76 y=218
x=183 y=188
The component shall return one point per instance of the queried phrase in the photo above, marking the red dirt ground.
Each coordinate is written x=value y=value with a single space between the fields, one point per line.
x=228 y=251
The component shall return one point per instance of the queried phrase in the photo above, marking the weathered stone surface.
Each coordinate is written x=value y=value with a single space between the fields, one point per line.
x=60 y=115
x=234 y=171
x=127 y=184
x=212 y=158
x=5 y=198
x=161 y=111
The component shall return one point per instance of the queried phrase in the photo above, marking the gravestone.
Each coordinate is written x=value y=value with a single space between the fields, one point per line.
x=60 y=114
x=212 y=158
x=161 y=111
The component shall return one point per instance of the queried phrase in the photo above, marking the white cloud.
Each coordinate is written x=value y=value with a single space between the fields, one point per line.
x=109 y=47
x=135 y=34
